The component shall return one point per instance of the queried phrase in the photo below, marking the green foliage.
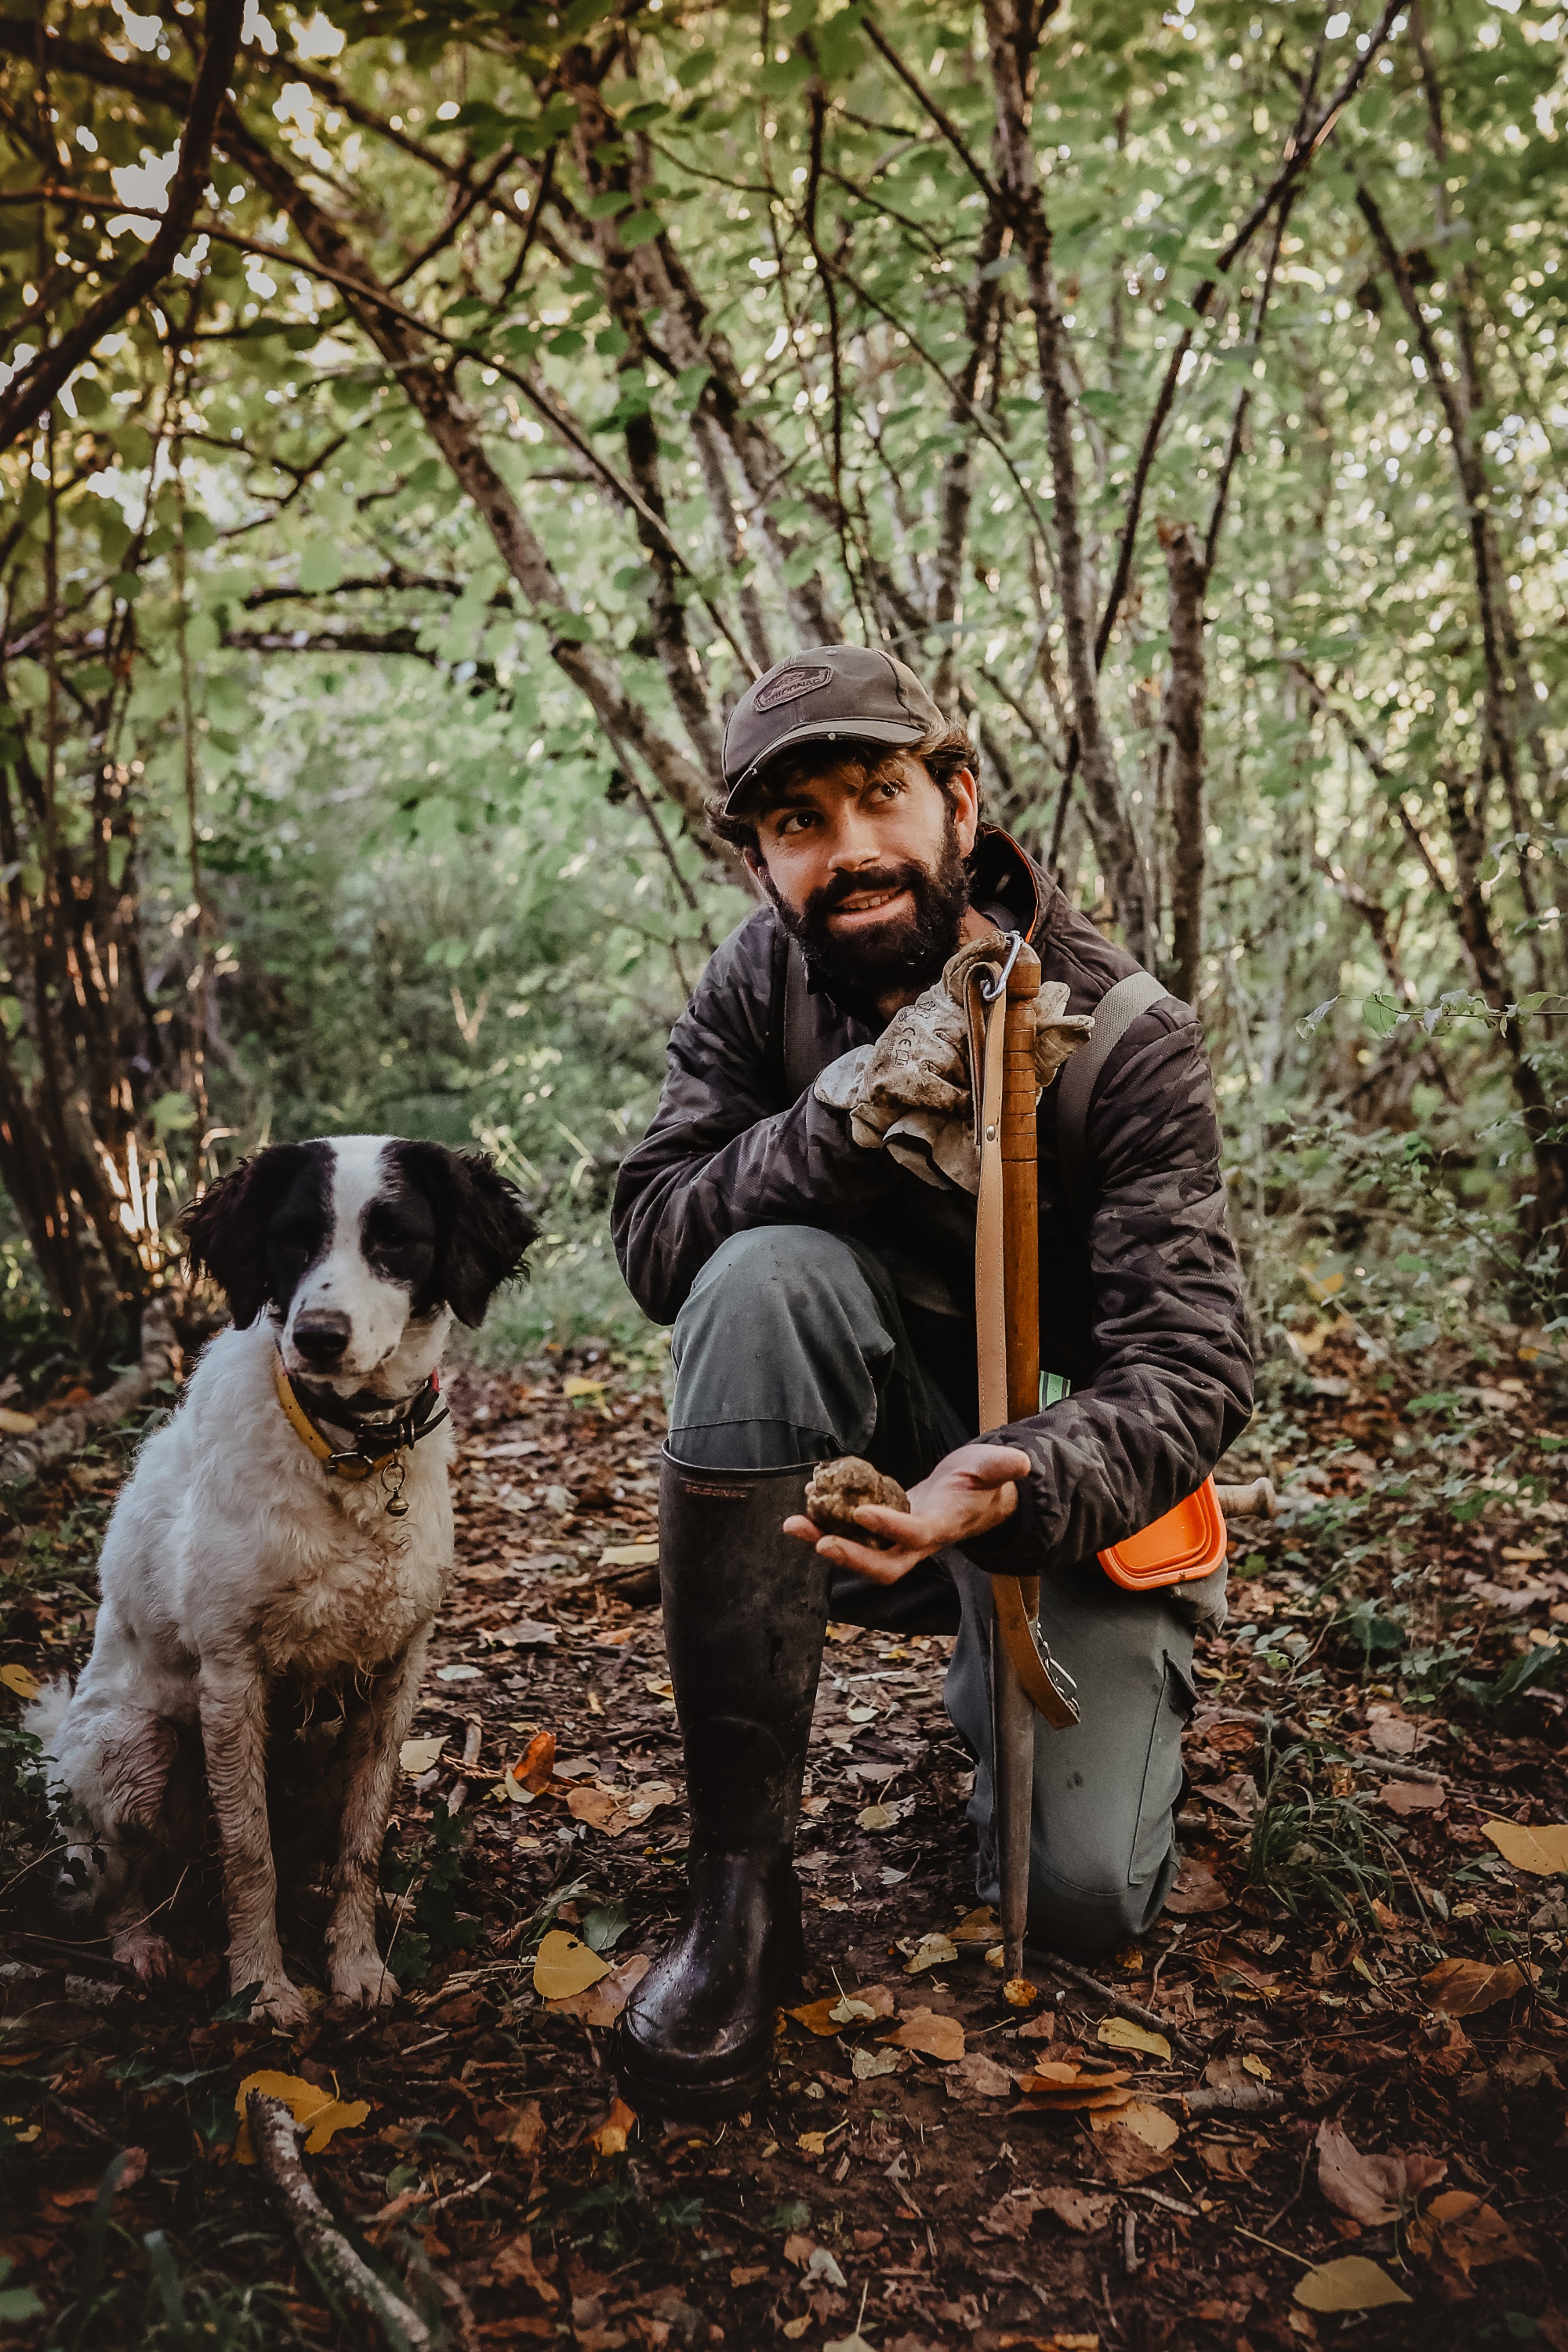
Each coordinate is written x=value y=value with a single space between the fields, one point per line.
x=436 y=1864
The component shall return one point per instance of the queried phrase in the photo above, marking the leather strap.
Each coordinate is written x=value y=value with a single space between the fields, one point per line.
x=1113 y=1016
x=356 y=1462
x=1015 y=1599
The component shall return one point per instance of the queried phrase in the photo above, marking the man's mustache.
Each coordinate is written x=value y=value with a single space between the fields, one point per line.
x=907 y=875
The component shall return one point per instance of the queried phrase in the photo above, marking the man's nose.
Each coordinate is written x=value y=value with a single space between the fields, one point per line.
x=322 y=1337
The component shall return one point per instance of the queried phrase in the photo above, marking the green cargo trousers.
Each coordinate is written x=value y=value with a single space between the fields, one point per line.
x=792 y=1347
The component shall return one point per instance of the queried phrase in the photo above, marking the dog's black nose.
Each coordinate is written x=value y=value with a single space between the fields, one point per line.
x=322 y=1337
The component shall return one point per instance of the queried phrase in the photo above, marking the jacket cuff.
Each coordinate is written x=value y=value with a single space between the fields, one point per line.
x=1015 y=1547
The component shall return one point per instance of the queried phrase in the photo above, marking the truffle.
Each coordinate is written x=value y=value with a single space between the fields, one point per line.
x=839 y=1488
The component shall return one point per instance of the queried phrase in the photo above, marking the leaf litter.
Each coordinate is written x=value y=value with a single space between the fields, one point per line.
x=1022 y=2154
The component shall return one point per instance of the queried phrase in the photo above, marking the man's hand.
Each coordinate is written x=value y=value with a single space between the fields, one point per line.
x=968 y=1494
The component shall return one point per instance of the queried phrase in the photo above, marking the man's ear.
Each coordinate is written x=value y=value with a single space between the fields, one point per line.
x=967 y=810
x=483 y=1227
x=226 y=1230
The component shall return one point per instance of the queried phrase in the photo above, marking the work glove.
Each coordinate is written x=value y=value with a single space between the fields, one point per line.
x=912 y=1092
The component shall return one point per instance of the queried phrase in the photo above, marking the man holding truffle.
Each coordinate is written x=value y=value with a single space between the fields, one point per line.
x=801 y=1209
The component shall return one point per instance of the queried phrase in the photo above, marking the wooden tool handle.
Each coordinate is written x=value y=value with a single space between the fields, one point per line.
x=1255 y=1501
x=1020 y=1187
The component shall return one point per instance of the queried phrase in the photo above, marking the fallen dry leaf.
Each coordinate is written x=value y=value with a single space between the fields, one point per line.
x=1372 y=2189
x=16 y=1424
x=18 y=1679
x=602 y=2003
x=1061 y=2087
x=1121 y=2033
x=513 y=2264
x=308 y=2103
x=747 y=2273
x=875 y=1817
x=1412 y=1796
x=1542 y=1851
x=1197 y=1890
x=975 y=1926
x=535 y=1768
x=866 y=2065
x=523 y=2129
x=416 y=1757
x=1149 y=2124
x=1467 y=2232
x=566 y=1965
x=1391 y=1733
x=1019 y=1993
x=1460 y=1988
x=613 y=2134
x=932 y=2034
x=933 y=1952
x=1077 y=2209
x=1124 y=2156
x=1351 y=2283
x=977 y=2076
x=615 y=1809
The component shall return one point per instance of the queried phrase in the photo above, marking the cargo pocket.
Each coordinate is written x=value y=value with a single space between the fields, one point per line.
x=1161 y=1774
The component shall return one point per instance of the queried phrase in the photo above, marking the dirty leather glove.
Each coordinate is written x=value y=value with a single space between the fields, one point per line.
x=917 y=1064
x=910 y=1092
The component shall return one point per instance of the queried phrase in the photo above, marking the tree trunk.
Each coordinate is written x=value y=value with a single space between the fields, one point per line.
x=1183 y=719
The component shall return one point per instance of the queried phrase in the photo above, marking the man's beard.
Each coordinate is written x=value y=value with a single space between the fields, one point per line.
x=860 y=969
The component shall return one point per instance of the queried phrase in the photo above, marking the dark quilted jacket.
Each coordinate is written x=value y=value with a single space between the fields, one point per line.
x=1143 y=1313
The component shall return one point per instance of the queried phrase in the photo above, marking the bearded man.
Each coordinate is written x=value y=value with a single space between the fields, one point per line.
x=801 y=1209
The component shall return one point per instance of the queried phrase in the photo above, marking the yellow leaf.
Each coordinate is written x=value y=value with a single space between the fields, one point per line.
x=1256 y=2066
x=308 y=2103
x=660 y=1688
x=976 y=1927
x=611 y=2138
x=796 y=2328
x=644 y=1555
x=1151 y=2124
x=16 y=1424
x=578 y=1387
x=875 y=1817
x=813 y=2143
x=566 y=1965
x=1542 y=1851
x=1352 y=2283
x=1121 y=2033
x=18 y=1679
x=1018 y=1992
x=416 y=1757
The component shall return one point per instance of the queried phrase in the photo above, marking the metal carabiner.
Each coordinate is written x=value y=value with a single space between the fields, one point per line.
x=992 y=994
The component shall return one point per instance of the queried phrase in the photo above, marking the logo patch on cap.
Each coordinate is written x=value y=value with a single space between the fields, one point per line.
x=789 y=686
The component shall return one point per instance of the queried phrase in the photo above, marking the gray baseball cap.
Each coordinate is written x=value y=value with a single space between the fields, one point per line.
x=828 y=694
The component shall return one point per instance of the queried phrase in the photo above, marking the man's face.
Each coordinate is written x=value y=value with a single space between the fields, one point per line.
x=865 y=863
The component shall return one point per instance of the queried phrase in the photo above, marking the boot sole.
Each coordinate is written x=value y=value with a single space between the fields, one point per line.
x=705 y=2102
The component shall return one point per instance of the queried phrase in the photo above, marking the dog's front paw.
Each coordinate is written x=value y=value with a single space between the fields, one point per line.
x=363 y=1981
x=141 y=1949
x=278 y=2002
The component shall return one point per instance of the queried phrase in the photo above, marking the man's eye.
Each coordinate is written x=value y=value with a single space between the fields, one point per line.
x=794 y=822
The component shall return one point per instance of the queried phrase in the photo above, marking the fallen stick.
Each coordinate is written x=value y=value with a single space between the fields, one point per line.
x=1118 y=2001
x=21 y=1462
x=275 y=2138
x=1233 y=2099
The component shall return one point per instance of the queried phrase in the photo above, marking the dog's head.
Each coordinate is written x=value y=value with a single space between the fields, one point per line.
x=361 y=1249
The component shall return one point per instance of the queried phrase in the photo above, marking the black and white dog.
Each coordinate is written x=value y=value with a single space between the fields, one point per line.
x=288 y=1535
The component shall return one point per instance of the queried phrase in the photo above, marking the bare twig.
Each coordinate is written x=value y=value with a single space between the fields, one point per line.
x=275 y=2137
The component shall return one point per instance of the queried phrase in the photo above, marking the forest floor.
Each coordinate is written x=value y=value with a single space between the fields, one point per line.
x=1361 y=2045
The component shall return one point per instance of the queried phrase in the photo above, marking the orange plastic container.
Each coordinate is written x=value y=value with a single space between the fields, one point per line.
x=1187 y=1543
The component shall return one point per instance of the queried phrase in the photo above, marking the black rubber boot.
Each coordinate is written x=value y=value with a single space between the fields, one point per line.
x=745 y=1609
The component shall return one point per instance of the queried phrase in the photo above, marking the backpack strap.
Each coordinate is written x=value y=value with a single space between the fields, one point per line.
x=802 y=1061
x=1113 y=1016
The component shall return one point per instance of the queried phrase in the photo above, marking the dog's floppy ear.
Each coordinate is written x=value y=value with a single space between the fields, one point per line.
x=226 y=1230
x=482 y=1225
